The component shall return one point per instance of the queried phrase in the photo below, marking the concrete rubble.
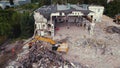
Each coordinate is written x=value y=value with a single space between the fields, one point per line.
x=113 y=29
x=40 y=56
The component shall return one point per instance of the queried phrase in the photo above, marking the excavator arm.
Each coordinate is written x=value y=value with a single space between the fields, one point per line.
x=63 y=47
x=39 y=38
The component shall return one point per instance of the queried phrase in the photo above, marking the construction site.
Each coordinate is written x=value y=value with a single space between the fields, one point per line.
x=67 y=36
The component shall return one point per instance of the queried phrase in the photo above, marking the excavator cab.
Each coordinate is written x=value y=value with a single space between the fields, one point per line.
x=55 y=47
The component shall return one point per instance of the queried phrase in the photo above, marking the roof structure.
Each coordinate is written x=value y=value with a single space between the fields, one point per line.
x=47 y=10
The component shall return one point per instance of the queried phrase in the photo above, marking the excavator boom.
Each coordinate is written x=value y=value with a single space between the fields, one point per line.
x=63 y=47
x=45 y=39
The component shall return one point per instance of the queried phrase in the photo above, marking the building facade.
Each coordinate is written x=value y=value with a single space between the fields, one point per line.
x=98 y=10
x=47 y=16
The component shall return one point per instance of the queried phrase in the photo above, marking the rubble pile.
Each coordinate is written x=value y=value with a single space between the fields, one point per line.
x=40 y=56
x=113 y=29
x=90 y=42
x=97 y=44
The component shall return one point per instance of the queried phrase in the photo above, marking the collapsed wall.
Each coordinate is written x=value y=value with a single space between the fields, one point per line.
x=43 y=27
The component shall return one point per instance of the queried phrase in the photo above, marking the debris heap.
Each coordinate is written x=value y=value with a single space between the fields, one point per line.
x=113 y=29
x=40 y=56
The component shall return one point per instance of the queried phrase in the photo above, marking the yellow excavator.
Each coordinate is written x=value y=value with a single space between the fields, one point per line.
x=60 y=47
x=117 y=19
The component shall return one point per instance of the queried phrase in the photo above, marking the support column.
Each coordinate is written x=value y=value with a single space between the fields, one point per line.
x=92 y=25
x=52 y=27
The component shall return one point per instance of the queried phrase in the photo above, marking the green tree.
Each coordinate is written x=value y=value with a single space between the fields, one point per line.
x=5 y=29
x=11 y=2
x=14 y=24
x=0 y=8
x=44 y=2
x=34 y=1
x=5 y=22
x=27 y=25
x=16 y=18
x=95 y=2
x=47 y=2
x=41 y=3
x=112 y=8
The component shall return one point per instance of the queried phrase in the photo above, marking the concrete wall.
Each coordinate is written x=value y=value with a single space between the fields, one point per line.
x=40 y=24
x=45 y=27
x=98 y=10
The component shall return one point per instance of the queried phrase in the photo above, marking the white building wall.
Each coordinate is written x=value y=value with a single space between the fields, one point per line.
x=98 y=10
x=55 y=14
x=40 y=23
x=76 y=13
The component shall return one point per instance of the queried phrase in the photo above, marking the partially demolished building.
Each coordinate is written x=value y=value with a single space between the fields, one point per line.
x=47 y=18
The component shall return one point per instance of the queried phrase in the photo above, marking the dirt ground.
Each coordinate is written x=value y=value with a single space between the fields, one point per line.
x=102 y=50
x=7 y=55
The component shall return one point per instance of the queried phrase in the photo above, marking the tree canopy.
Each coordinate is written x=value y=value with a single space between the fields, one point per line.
x=112 y=8
x=14 y=24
